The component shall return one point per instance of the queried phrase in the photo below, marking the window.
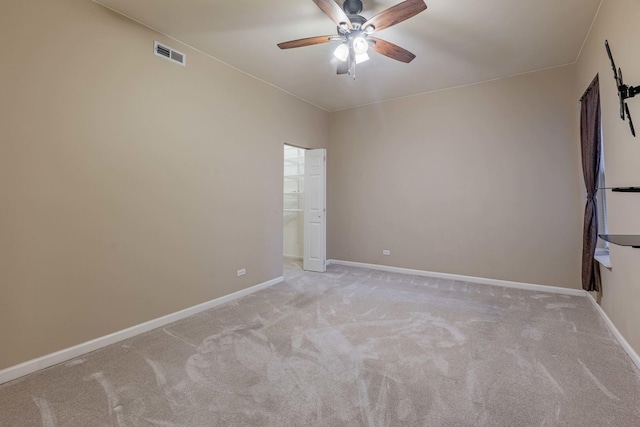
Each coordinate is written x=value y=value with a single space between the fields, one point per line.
x=601 y=199
x=602 y=249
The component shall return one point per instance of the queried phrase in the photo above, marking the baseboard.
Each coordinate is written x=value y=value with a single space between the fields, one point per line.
x=507 y=284
x=623 y=342
x=31 y=366
x=480 y=280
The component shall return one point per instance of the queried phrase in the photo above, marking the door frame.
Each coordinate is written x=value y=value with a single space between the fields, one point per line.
x=305 y=195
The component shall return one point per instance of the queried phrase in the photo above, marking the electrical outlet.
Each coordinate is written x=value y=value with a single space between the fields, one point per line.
x=386 y=252
x=242 y=272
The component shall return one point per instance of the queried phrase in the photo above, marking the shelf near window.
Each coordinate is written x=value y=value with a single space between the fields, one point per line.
x=622 y=189
x=626 y=189
x=632 y=240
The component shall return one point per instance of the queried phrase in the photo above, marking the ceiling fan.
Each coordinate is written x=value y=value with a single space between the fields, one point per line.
x=354 y=32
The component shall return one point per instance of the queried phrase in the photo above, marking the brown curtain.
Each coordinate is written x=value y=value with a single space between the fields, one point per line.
x=590 y=144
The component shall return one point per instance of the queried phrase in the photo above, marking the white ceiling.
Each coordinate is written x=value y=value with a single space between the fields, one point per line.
x=456 y=42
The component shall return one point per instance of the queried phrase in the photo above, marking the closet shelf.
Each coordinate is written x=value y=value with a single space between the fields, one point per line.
x=622 y=239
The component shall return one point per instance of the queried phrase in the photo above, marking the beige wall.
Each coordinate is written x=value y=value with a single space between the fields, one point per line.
x=480 y=180
x=131 y=187
x=618 y=22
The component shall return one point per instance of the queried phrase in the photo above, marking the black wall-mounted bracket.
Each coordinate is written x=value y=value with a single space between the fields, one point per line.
x=624 y=91
x=627 y=92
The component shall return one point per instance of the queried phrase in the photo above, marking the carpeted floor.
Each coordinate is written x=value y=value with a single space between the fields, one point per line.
x=350 y=347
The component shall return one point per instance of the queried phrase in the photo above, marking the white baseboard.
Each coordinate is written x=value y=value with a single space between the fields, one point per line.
x=31 y=366
x=517 y=285
x=623 y=342
x=480 y=280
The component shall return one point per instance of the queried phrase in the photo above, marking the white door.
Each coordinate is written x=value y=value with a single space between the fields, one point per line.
x=315 y=222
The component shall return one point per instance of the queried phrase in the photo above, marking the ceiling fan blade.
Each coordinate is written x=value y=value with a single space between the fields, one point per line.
x=343 y=67
x=391 y=50
x=395 y=14
x=334 y=12
x=309 y=41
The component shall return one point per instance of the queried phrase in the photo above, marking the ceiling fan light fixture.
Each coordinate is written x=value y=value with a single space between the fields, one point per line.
x=341 y=52
x=360 y=45
x=354 y=32
x=361 y=57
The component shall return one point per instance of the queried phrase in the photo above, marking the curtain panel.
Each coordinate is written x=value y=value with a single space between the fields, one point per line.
x=590 y=134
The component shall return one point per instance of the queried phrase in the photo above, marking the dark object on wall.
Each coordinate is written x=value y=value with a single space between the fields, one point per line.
x=621 y=189
x=624 y=91
x=626 y=189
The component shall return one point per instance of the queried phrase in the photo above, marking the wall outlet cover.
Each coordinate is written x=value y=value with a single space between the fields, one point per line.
x=386 y=252
x=241 y=272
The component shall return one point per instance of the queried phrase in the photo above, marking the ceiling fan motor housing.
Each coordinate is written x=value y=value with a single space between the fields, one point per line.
x=356 y=23
x=352 y=7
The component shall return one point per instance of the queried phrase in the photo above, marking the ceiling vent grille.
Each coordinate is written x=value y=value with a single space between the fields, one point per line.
x=169 y=54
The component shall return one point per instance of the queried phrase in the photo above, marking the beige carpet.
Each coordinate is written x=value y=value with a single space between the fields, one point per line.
x=350 y=347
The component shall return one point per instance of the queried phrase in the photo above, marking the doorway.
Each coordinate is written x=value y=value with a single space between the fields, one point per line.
x=293 y=209
x=304 y=219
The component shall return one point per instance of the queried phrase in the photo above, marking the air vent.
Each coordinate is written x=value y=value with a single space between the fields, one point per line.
x=169 y=54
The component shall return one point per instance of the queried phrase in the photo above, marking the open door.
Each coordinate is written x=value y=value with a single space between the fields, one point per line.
x=315 y=222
